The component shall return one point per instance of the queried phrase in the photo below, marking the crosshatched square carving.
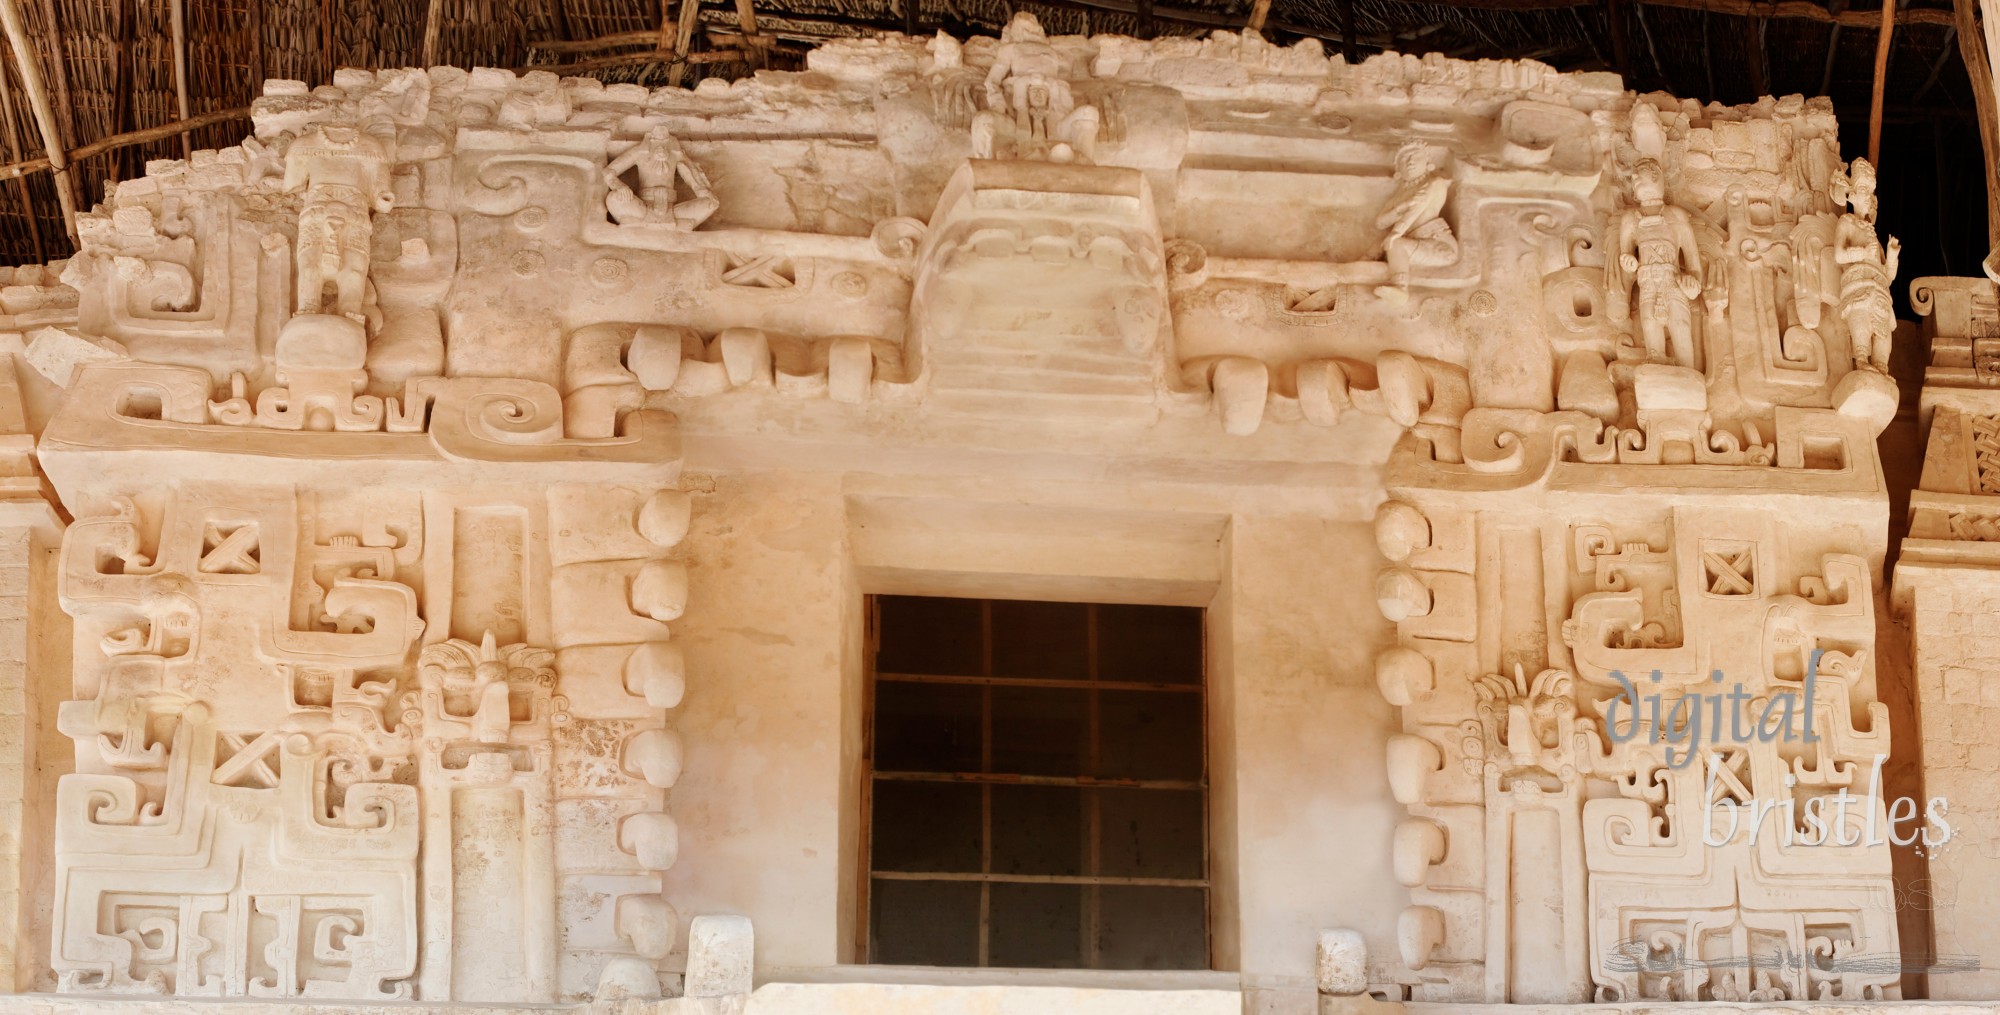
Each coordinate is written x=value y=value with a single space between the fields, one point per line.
x=1729 y=567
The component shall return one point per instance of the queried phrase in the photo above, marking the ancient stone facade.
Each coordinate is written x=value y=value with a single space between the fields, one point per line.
x=1479 y=404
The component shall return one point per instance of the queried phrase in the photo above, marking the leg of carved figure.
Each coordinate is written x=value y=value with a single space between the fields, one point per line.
x=310 y=282
x=624 y=206
x=1080 y=128
x=694 y=211
x=1652 y=330
x=1398 y=255
x=1680 y=331
x=351 y=284
x=984 y=124
x=1860 y=336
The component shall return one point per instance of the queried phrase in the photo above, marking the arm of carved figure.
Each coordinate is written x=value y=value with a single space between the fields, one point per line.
x=1618 y=269
x=995 y=97
x=1690 y=254
x=694 y=177
x=1894 y=254
x=626 y=160
x=1851 y=240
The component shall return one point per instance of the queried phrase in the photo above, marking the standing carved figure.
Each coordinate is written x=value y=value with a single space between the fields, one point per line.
x=1026 y=84
x=345 y=175
x=1657 y=255
x=1418 y=236
x=1866 y=271
x=663 y=170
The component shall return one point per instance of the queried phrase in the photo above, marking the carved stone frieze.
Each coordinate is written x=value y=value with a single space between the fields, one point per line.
x=372 y=426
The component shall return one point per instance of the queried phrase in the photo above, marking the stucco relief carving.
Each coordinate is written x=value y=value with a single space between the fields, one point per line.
x=370 y=427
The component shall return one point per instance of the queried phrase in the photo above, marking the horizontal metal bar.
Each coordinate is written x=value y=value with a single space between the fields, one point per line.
x=1086 y=781
x=1041 y=879
x=1100 y=684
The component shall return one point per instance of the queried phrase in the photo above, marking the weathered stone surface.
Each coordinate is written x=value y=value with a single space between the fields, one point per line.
x=407 y=666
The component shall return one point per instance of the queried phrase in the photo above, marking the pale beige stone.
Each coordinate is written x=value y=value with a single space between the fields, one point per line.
x=407 y=665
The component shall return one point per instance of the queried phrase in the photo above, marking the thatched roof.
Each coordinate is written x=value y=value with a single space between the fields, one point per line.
x=109 y=65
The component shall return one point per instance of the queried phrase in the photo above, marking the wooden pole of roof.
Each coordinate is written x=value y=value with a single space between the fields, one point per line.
x=1759 y=60
x=1259 y=10
x=15 y=151
x=132 y=137
x=45 y=115
x=58 y=69
x=746 y=15
x=257 y=64
x=1884 y=39
x=665 y=42
x=684 y=39
x=1945 y=52
x=1614 y=19
x=433 y=22
x=177 y=11
x=1973 y=52
x=1652 y=48
x=121 y=86
x=1707 y=65
x=1832 y=48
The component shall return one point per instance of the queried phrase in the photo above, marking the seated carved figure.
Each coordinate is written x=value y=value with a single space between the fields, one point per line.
x=663 y=171
x=1029 y=103
x=1418 y=236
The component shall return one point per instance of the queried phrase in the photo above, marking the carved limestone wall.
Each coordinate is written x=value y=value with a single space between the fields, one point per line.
x=1947 y=587
x=372 y=426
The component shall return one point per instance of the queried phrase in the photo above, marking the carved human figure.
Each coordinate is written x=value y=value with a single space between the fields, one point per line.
x=1657 y=255
x=664 y=172
x=1866 y=271
x=1026 y=86
x=345 y=175
x=951 y=84
x=1418 y=236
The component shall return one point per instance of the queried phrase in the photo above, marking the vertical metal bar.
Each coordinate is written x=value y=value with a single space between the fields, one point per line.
x=871 y=645
x=985 y=789
x=1094 y=857
x=1207 y=873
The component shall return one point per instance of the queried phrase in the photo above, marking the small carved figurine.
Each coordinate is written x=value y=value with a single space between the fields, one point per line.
x=345 y=176
x=1026 y=85
x=1414 y=216
x=1866 y=271
x=663 y=171
x=1656 y=253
